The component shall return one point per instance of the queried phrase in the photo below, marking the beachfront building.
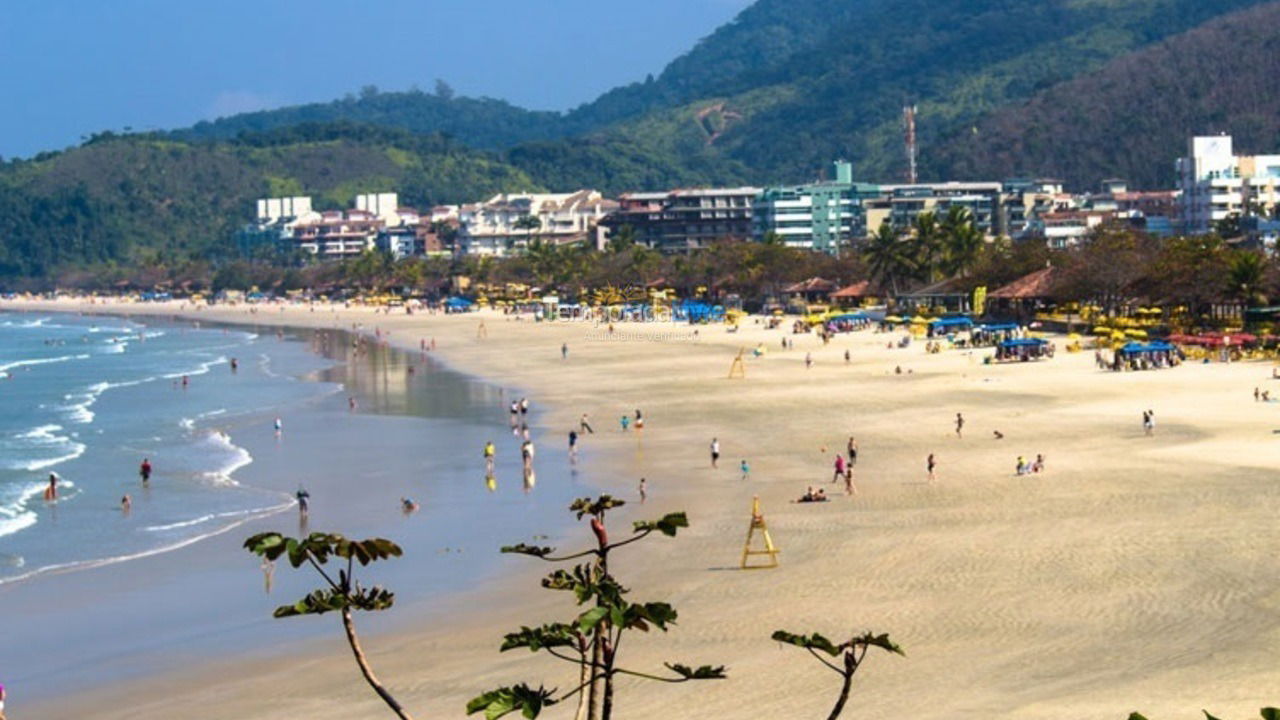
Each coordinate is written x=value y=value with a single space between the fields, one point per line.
x=1068 y=228
x=902 y=204
x=1217 y=184
x=1024 y=201
x=507 y=223
x=339 y=234
x=823 y=216
x=273 y=226
x=683 y=221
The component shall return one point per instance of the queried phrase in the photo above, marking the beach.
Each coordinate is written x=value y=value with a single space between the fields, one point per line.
x=1135 y=573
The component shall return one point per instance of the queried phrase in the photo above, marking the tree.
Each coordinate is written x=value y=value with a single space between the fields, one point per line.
x=444 y=90
x=887 y=257
x=851 y=652
x=621 y=239
x=962 y=240
x=926 y=246
x=342 y=594
x=590 y=640
x=1247 y=272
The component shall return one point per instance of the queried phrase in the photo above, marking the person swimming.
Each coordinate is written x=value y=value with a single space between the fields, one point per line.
x=408 y=506
x=51 y=492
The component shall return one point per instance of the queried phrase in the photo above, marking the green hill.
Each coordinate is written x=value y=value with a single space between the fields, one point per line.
x=1132 y=117
x=789 y=85
x=142 y=199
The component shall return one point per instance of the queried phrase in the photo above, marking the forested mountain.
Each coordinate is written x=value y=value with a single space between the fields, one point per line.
x=143 y=199
x=789 y=85
x=1075 y=88
x=1130 y=118
x=481 y=123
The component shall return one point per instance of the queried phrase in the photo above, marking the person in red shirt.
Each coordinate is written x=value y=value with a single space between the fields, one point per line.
x=145 y=470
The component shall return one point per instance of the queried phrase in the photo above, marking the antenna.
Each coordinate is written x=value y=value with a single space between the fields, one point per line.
x=909 y=125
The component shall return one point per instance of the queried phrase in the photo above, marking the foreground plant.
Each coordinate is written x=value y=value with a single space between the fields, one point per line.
x=343 y=594
x=590 y=640
x=851 y=653
x=1268 y=713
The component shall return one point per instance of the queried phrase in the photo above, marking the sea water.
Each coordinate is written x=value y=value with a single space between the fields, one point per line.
x=87 y=399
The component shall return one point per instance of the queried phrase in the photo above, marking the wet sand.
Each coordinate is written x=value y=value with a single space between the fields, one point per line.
x=1136 y=573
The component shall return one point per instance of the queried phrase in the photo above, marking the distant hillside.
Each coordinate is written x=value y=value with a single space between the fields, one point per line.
x=787 y=86
x=146 y=199
x=481 y=123
x=1131 y=118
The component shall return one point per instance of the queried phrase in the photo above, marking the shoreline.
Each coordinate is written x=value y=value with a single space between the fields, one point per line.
x=1071 y=583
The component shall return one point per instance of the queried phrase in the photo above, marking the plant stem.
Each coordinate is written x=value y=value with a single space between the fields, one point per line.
x=367 y=671
x=844 y=696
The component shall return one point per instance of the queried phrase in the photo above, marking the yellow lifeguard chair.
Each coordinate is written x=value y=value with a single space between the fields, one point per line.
x=758 y=523
x=738 y=370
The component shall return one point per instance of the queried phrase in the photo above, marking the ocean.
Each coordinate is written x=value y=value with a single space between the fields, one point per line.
x=87 y=399
x=91 y=595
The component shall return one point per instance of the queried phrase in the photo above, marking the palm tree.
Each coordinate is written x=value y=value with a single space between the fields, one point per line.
x=962 y=240
x=1246 y=276
x=886 y=257
x=927 y=245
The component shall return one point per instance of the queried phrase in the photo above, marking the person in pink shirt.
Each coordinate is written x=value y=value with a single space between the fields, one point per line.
x=841 y=469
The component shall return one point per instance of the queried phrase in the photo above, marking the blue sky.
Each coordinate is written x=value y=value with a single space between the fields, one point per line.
x=72 y=67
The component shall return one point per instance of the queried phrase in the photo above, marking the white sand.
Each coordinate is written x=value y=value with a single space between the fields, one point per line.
x=1135 y=574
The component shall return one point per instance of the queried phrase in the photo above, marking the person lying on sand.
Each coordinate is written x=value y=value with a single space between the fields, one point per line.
x=812 y=495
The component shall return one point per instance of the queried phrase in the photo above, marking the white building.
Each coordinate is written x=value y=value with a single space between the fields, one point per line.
x=1217 y=184
x=384 y=206
x=497 y=226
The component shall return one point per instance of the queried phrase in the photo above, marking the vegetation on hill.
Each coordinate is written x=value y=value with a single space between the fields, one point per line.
x=151 y=200
x=1131 y=118
x=476 y=122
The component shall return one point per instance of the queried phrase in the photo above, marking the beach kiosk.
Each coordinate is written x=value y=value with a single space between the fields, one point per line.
x=949 y=326
x=1146 y=356
x=1023 y=350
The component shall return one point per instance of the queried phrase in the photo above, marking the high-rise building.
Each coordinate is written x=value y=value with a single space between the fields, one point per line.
x=1217 y=184
x=682 y=221
x=822 y=216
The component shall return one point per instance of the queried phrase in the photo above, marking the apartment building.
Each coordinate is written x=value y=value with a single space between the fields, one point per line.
x=683 y=221
x=823 y=216
x=1217 y=184
x=506 y=223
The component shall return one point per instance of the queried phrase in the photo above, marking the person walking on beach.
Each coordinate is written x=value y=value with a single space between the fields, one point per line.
x=585 y=426
x=746 y=470
x=643 y=493
x=715 y=453
x=847 y=357
x=564 y=351
x=144 y=470
x=279 y=425
x=303 y=498
x=1148 y=423
x=573 y=444
x=959 y=425
x=852 y=448
x=625 y=421
x=526 y=455
x=840 y=468
x=808 y=360
x=639 y=420
x=489 y=451
x=524 y=406
x=932 y=465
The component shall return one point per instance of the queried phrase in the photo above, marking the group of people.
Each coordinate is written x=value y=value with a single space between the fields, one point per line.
x=1034 y=467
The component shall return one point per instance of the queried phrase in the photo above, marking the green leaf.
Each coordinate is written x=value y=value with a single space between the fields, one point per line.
x=496 y=703
x=589 y=619
x=1137 y=716
x=1208 y=716
x=1270 y=713
x=551 y=635
x=667 y=525
x=523 y=549
x=705 y=672
x=809 y=642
